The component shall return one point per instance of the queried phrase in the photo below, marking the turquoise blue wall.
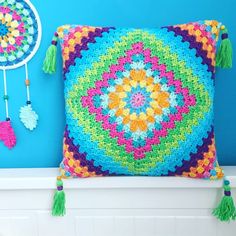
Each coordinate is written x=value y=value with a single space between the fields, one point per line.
x=43 y=147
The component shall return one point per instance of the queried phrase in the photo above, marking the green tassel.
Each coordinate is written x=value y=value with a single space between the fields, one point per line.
x=59 y=200
x=225 y=52
x=226 y=209
x=49 y=64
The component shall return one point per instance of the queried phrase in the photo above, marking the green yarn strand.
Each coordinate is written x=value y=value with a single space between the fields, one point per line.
x=226 y=210
x=59 y=200
x=49 y=64
x=224 y=55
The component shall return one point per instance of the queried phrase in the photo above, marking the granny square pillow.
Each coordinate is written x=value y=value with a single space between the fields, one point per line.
x=140 y=101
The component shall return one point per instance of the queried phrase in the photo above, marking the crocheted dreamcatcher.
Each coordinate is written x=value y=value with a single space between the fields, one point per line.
x=20 y=35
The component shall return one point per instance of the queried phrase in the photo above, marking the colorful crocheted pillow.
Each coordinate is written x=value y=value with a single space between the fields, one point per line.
x=140 y=101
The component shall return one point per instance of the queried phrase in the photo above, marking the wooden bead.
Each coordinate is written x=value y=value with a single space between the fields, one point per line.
x=27 y=82
x=59 y=177
x=222 y=27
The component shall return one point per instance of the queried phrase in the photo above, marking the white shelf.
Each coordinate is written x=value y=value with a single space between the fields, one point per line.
x=127 y=206
x=45 y=178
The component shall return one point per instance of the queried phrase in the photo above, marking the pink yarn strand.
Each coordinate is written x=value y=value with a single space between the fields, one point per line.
x=7 y=135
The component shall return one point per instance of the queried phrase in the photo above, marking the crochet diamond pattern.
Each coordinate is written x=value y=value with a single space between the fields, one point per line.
x=139 y=101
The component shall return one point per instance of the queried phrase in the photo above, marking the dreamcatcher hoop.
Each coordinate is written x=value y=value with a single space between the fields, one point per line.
x=36 y=47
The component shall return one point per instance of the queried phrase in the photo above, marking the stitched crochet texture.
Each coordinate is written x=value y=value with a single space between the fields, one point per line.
x=139 y=101
x=18 y=32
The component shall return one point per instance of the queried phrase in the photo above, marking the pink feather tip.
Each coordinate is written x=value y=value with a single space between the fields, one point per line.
x=7 y=134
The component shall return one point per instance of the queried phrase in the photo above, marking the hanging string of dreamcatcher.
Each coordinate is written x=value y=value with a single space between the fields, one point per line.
x=27 y=115
x=20 y=35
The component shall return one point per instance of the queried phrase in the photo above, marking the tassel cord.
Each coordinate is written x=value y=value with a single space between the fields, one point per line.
x=27 y=83
x=5 y=94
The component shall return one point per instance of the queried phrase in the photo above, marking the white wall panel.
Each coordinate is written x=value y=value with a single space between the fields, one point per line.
x=113 y=207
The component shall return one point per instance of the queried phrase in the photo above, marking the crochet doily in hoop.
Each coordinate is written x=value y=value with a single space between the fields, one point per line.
x=20 y=33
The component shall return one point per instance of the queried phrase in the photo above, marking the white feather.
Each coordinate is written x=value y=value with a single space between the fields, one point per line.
x=28 y=117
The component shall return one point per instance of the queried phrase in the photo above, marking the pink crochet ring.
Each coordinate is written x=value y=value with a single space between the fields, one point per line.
x=7 y=134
